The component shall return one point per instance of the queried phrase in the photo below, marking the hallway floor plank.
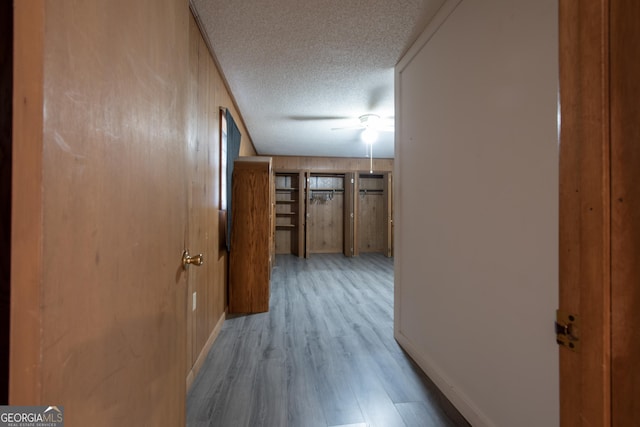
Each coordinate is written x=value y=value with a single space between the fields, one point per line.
x=324 y=355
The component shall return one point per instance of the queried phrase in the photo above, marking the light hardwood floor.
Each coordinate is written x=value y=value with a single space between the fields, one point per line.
x=324 y=355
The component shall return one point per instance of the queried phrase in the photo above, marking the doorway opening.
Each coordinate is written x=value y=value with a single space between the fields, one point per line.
x=6 y=99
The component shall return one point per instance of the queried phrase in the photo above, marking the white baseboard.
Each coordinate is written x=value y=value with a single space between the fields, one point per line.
x=456 y=396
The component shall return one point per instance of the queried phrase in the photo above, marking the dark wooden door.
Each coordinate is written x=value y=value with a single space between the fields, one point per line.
x=624 y=85
x=600 y=211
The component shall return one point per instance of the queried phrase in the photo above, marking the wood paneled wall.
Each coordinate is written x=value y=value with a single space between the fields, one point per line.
x=106 y=196
x=341 y=164
x=206 y=94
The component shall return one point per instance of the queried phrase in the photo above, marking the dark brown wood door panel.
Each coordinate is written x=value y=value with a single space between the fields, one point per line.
x=600 y=210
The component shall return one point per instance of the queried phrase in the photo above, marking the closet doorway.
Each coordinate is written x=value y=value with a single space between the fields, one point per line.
x=333 y=211
x=373 y=207
x=326 y=214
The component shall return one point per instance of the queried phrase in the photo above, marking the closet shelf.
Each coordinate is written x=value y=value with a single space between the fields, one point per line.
x=286 y=214
x=285 y=226
x=284 y=202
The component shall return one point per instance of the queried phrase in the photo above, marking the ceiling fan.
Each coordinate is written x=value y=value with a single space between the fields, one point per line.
x=379 y=98
x=371 y=125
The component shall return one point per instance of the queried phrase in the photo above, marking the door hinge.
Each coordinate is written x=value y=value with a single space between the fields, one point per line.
x=567 y=328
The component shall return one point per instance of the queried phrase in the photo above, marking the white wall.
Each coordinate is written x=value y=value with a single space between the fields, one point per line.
x=477 y=208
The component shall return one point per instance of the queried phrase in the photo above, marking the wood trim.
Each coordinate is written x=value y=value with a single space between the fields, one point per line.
x=302 y=212
x=349 y=215
x=193 y=372
x=25 y=379
x=625 y=211
x=254 y=162
x=330 y=164
x=307 y=183
x=585 y=222
x=356 y=210
x=388 y=208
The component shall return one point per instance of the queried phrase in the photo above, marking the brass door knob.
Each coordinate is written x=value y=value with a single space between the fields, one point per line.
x=196 y=260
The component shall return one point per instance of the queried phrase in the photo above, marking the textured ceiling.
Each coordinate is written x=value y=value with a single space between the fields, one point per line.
x=298 y=69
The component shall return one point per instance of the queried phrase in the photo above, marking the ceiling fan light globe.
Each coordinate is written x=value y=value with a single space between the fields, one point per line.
x=369 y=136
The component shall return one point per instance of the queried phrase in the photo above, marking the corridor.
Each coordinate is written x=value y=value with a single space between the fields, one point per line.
x=323 y=356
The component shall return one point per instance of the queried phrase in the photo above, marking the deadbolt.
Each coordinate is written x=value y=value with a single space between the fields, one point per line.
x=196 y=260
